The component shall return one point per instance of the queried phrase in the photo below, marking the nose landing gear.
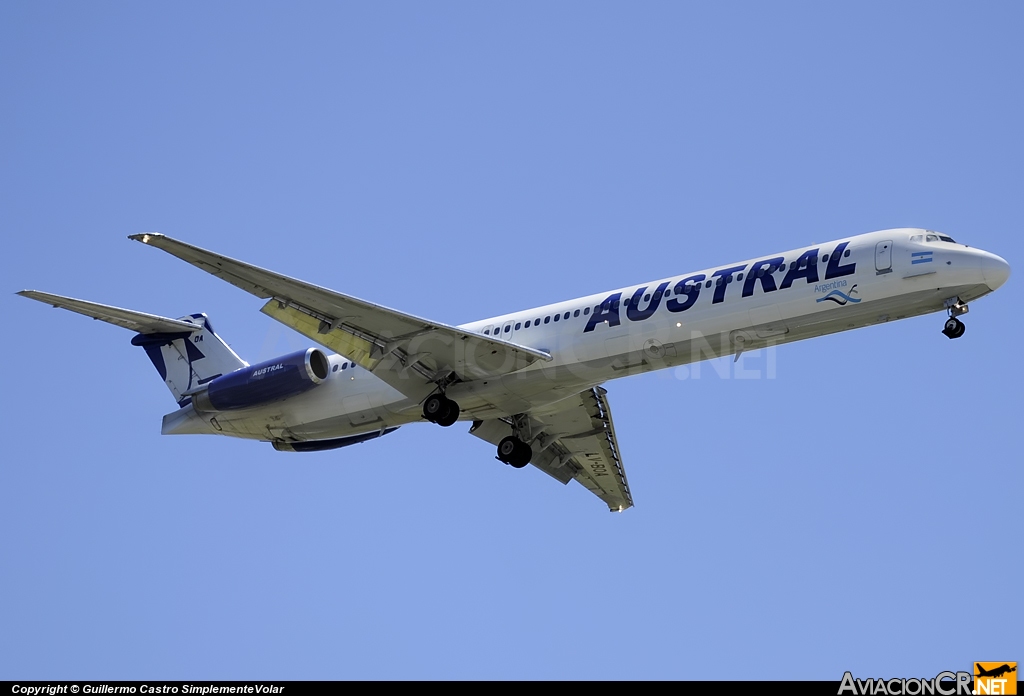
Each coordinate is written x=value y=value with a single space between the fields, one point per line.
x=954 y=328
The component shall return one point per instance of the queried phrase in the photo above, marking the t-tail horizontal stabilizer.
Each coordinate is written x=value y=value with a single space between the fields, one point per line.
x=125 y=318
x=186 y=351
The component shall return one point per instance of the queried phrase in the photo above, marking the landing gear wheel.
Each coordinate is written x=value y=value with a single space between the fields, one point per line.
x=954 y=328
x=450 y=417
x=507 y=448
x=438 y=408
x=435 y=406
x=524 y=453
x=514 y=452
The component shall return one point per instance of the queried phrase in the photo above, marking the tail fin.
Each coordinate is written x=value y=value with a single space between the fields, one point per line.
x=187 y=360
x=186 y=352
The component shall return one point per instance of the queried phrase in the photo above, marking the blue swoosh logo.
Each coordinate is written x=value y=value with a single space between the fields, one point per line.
x=840 y=298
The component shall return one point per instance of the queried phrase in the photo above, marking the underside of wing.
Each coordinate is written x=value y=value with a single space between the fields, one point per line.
x=403 y=350
x=573 y=439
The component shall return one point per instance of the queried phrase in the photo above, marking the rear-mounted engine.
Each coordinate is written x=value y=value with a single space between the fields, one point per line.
x=266 y=382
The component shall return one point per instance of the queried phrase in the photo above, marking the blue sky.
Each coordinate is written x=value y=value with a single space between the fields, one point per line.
x=463 y=160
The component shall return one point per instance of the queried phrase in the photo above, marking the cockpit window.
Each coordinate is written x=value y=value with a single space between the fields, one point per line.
x=932 y=237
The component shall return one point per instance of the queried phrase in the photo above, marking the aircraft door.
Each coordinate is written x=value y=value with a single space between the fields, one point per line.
x=883 y=257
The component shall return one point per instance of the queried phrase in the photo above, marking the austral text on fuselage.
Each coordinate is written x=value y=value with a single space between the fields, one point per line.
x=806 y=267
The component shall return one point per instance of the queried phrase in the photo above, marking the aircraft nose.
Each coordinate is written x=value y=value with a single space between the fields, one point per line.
x=995 y=269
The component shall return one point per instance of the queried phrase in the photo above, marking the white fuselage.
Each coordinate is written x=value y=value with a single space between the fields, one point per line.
x=725 y=310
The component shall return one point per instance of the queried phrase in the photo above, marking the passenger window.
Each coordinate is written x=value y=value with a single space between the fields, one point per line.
x=576 y=313
x=824 y=259
x=547 y=320
x=487 y=332
x=708 y=284
x=846 y=253
x=739 y=277
x=586 y=311
x=647 y=297
x=518 y=326
x=334 y=369
x=557 y=317
x=508 y=328
x=566 y=316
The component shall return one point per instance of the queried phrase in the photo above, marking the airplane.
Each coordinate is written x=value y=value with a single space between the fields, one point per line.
x=529 y=382
x=994 y=672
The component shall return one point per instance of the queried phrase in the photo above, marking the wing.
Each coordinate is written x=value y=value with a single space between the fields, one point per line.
x=403 y=350
x=125 y=318
x=574 y=439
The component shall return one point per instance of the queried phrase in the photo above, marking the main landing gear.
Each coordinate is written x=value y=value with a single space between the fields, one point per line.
x=439 y=409
x=954 y=328
x=514 y=452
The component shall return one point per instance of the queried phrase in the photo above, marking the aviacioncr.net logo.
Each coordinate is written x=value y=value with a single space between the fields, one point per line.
x=995 y=678
x=943 y=684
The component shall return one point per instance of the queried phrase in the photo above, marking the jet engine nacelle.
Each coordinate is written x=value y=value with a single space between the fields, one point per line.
x=260 y=384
